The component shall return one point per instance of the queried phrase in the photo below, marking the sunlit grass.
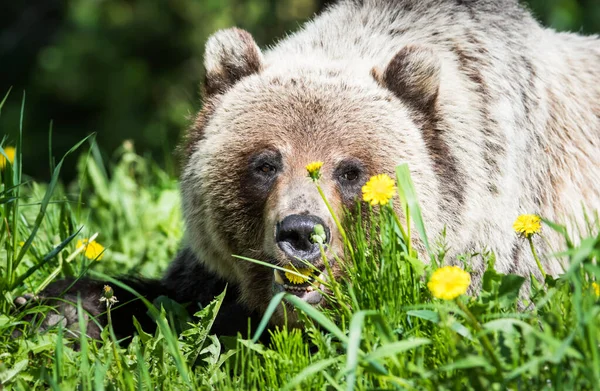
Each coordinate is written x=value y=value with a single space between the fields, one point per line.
x=381 y=329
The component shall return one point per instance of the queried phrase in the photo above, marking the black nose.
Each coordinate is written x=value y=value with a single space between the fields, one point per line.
x=294 y=237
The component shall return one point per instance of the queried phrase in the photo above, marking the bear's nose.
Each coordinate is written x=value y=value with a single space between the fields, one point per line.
x=294 y=233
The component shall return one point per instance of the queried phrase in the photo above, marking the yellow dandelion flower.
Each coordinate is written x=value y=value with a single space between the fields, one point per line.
x=596 y=288
x=379 y=190
x=10 y=153
x=449 y=282
x=527 y=225
x=314 y=169
x=295 y=279
x=93 y=250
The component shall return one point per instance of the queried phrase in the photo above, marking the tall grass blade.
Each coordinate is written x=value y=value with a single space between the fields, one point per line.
x=408 y=197
x=353 y=349
x=47 y=258
x=275 y=302
x=5 y=98
x=318 y=316
x=394 y=348
x=308 y=372
x=45 y=202
x=83 y=348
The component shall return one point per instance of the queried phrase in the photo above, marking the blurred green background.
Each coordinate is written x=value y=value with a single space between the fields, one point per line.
x=131 y=69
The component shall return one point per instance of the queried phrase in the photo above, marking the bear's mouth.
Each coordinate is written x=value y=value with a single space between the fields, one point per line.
x=308 y=290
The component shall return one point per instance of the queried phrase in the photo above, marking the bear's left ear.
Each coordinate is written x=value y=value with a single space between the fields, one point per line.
x=229 y=56
x=413 y=75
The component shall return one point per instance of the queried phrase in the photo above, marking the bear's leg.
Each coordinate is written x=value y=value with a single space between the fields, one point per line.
x=187 y=282
x=63 y=295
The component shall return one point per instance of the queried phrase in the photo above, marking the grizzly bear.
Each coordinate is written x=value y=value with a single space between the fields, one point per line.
x=495 y=115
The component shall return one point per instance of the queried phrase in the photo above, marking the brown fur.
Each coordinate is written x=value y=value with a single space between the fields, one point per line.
x=495 y=115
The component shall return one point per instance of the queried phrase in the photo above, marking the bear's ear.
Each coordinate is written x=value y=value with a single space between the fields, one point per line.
x=413 y=75
x=229 y=55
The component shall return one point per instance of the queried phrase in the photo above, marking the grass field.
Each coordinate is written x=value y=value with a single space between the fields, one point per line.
x=382 y=330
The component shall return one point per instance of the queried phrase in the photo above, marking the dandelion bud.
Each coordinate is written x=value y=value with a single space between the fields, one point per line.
x=318 y=235
x=108 y=292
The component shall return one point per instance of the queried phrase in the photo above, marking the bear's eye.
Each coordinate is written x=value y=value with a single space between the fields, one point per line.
x=266 y=168
x=350 y=175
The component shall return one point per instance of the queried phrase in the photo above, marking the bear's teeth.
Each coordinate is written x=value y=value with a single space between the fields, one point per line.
x=298 y=289
x=277 y=277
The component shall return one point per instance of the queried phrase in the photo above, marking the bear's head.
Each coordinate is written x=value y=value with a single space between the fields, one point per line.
x=244 y=183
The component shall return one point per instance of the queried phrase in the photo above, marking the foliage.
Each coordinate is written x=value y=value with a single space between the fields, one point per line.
x=381 y=329
x=135 y=211
x=124 y=70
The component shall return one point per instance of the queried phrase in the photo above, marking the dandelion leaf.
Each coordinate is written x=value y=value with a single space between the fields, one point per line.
x=177 y=314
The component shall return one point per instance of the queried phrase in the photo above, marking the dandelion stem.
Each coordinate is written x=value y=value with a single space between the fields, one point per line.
x=113 y=337
x=482 y=337
x=336 y=220
x=333 y=284
x=535 y=256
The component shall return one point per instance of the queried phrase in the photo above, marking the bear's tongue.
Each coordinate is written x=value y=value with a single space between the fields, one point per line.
x=311 y=297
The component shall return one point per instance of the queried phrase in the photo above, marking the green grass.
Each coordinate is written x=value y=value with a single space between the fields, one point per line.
x=382 y=330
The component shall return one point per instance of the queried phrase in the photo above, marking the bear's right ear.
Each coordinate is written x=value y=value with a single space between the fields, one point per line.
x=413 y=75
x=229 y=56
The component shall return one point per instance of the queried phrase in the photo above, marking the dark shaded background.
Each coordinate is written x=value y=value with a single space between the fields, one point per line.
x=131 y=69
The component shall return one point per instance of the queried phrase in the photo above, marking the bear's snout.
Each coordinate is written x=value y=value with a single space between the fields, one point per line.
x=294 y=237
